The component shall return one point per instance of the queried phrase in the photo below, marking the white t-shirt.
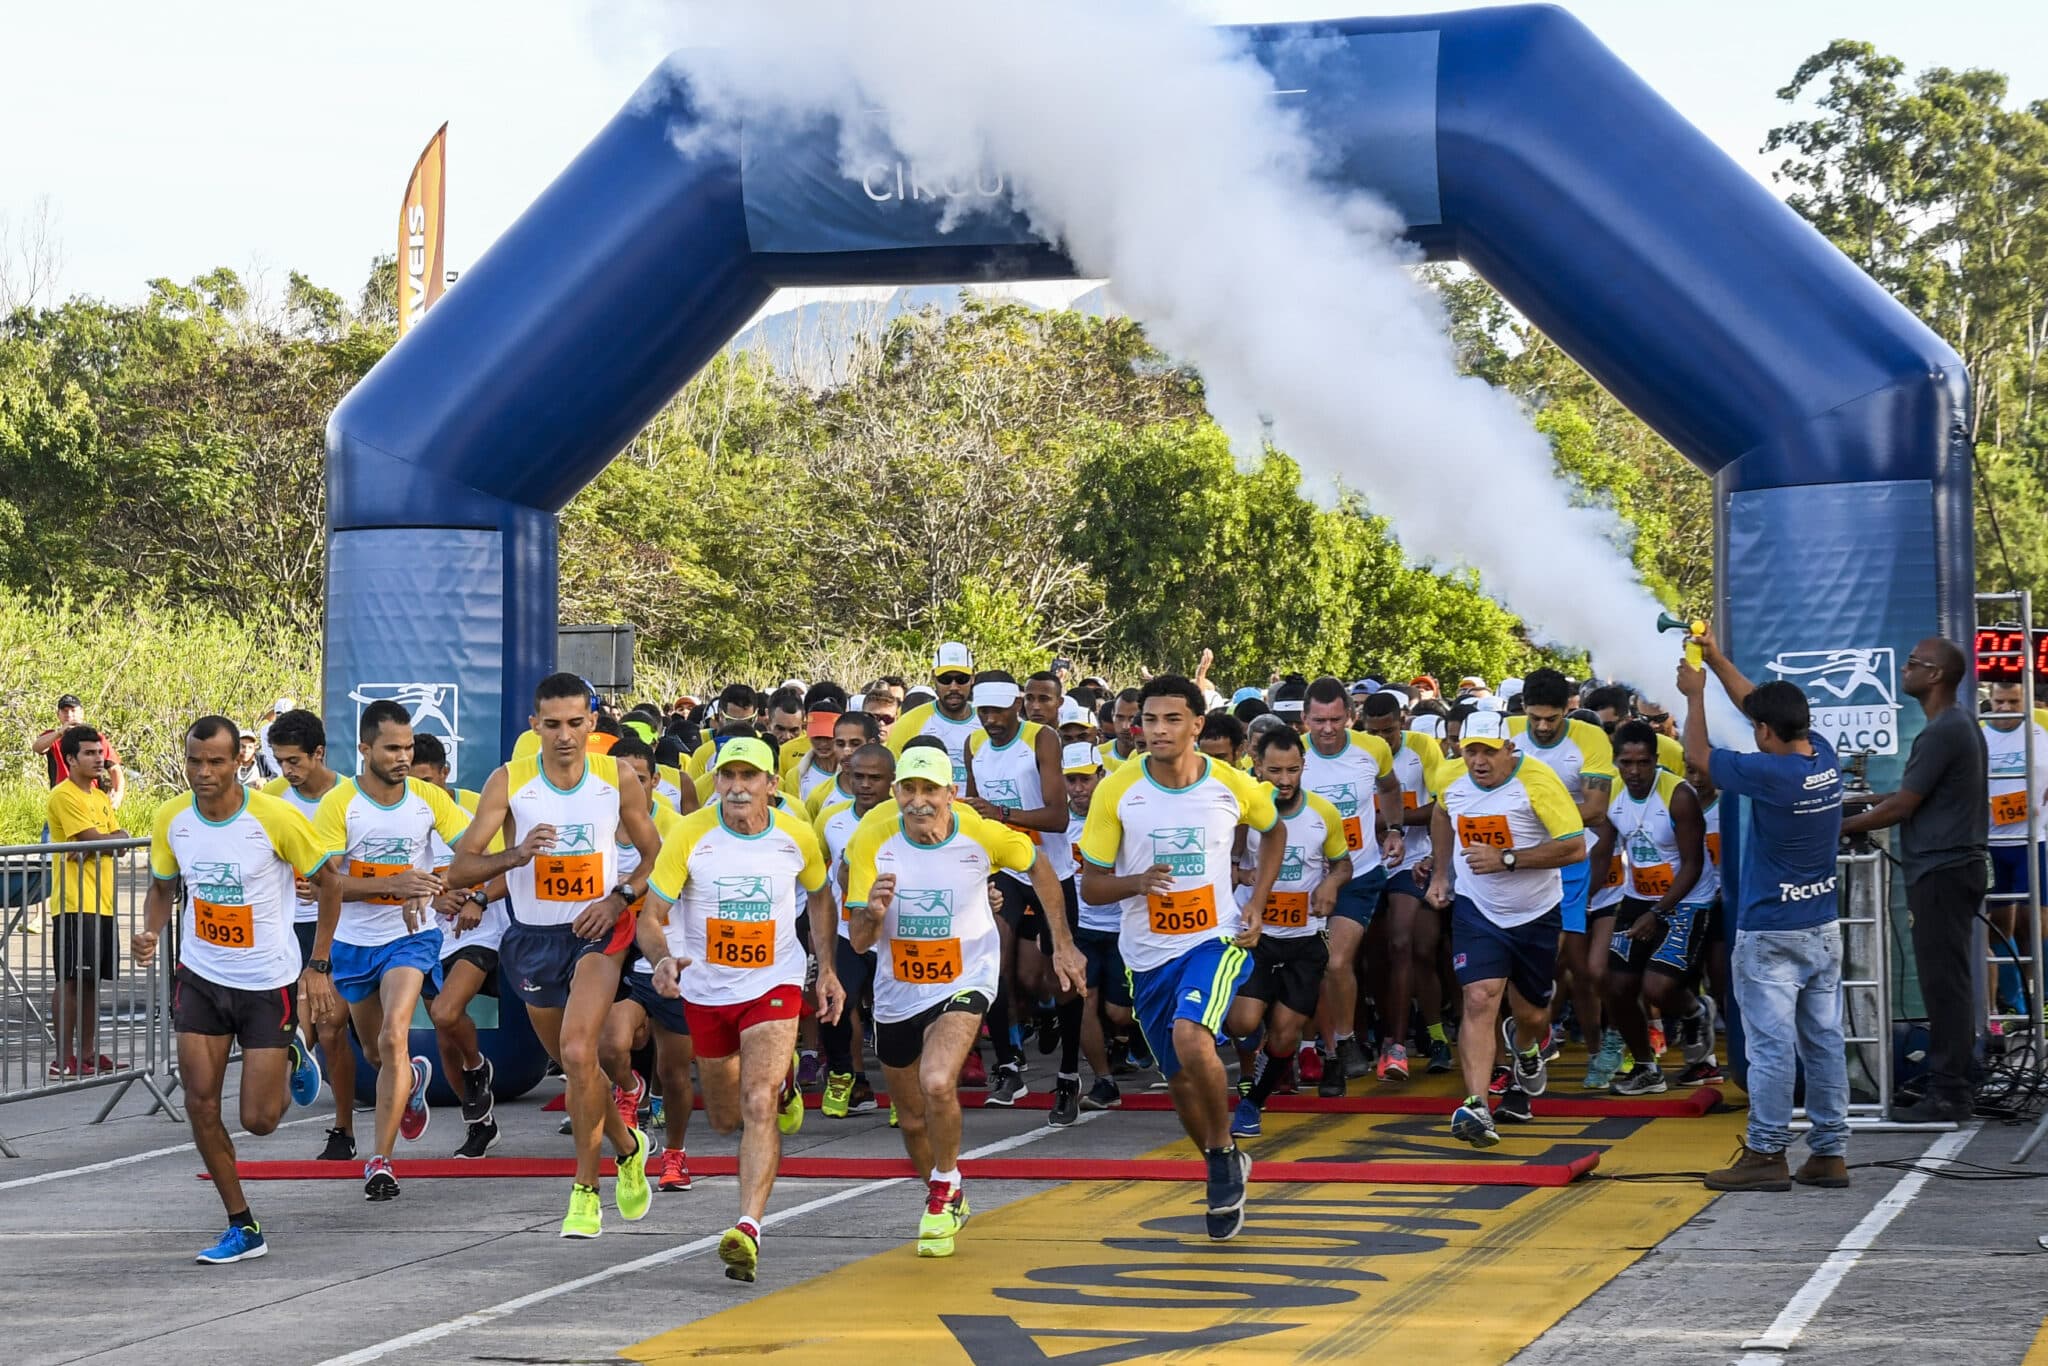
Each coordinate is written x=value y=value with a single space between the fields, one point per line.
x=1315 y=840
x=1135 y=823
x=835 y=826
x=728 y=902
x=2010 y=790
x=236 y=929
x=927 y=719
x=1007 y=775
x=305 y=910
x=1349 y=780
x=1101 y=919
x=1529 y=808
x=1647 y=839
x=583 y=866
x=490 y=931
x=375 y=840
x=939 y=936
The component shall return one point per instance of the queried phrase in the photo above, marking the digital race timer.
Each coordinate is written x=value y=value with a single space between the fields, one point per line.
x=1999 y=656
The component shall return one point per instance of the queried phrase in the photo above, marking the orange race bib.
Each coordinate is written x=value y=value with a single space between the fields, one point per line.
x=1491 y=831
x=223 y=926
x=739 y=943
x=1354 y=834
x=2009 y=808
x=1653 y=880
x=358 y=868
x=568 y=877
x=1410 y=801
x=1714 y=847
x=1190 y=912
x=919 y=962
x=1287 y=910
x=1614 y=873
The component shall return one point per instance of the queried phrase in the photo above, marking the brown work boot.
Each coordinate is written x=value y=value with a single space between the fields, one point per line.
x=1751 y=1170
x=1829 y=1172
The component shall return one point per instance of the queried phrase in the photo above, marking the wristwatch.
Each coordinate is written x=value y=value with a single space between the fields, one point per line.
x=479 y=896
x=1507 y=859
x=320 y=965
x=626 y=892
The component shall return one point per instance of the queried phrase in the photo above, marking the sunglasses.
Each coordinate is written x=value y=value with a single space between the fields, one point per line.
x=956 y=679
x=1659 y=719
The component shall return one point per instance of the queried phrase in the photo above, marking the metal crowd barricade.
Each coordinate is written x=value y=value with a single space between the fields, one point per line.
x=76 y=1013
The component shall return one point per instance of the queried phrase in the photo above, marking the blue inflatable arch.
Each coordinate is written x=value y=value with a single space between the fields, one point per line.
x=1833 y=421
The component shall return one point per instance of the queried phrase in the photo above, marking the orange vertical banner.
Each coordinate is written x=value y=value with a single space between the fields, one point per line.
x=421 y=262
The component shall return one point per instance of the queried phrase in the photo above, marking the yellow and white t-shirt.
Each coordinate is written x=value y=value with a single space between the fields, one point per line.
x=85 y=883
x=927 y=719
x=667 y=823
x=2011 y=793
x=834 y=827
x=1648 y=841
x=375 y=840
x=236 y=928
x=1315 y=840
x=939 y=936
x=1349 y=780
x=1007 y=775
x=827 y=794
x=490 y=931
x=307 y=909
x=1529 y=808
x=1413 y=761
x=583 y=866
x=802 y=776
x=1134 y=823
x=1582 y=752
x=668 y=785
x=734 y=904
x=1100 y=919
x=1106 y=755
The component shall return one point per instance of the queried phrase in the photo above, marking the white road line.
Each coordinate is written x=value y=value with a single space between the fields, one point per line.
x=404 y=1342
x=112 y=1163
x=1801 y=1308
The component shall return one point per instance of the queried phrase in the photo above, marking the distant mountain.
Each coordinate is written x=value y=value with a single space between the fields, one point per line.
x=814 y=341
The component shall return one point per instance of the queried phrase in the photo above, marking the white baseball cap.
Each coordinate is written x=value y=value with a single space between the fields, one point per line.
x=1484 y=728
x=953 y=655
x=995 y=693
x=1430 y=725
x=1072 y=713
x=1080 y=758
x=283 y=705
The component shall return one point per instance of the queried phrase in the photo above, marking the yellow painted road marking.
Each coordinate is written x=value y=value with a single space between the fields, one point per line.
x=1091 y=1274
x=2037 y=1355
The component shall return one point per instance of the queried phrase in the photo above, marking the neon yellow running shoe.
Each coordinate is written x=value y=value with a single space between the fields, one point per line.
x=630 y=1192
x=741 y=1253
x=945 y=1211
x=838 y=1095
x=586 y=1216
x=894 y=1123
x=792 y=1117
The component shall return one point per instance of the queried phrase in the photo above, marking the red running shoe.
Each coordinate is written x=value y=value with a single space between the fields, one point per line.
x=974 y=1076
x=628 y=1102
x=675 y=1170
x=1309 y=1062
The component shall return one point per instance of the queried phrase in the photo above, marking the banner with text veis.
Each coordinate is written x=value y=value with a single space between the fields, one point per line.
x=420 y=248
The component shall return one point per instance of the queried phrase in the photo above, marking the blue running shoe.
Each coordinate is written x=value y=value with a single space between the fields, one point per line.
x=305 y=1080
x=1473 y=1123
x=1245 y=1122
x=238 y=1244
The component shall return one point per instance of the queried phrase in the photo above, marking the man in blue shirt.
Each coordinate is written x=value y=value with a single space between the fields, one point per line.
x=1788 y=942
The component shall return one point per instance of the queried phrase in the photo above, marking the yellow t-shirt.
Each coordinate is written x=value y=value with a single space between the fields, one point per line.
x=83 y=884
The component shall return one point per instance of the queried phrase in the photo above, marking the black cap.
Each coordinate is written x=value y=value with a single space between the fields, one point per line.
x=70 y=699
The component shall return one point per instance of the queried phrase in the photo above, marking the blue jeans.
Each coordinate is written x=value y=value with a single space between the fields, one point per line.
x=1789 y=985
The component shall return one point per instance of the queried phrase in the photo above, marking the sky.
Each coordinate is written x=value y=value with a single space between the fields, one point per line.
x=167 y=140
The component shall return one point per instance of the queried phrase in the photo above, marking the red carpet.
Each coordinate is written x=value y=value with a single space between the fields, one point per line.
x=990 y=1169
x=1690 y=1105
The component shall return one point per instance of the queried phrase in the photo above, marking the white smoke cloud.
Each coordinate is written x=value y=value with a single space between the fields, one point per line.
x=1150 y=146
